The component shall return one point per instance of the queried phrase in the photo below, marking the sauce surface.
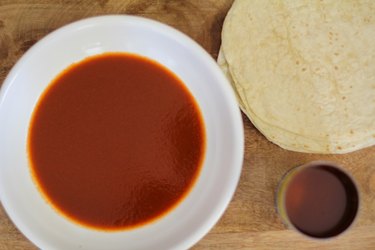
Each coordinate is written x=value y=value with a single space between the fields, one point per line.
x=116 y=141
x=321 y=201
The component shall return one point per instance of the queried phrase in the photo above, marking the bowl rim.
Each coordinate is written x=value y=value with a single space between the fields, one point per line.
x=237 y=159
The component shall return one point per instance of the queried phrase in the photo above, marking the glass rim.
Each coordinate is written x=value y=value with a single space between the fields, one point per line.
x=285 y=181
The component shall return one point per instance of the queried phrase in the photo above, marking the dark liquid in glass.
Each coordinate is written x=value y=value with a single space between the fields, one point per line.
x=321 y=201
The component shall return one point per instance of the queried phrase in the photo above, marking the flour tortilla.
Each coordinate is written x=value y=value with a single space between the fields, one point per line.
x=304 y=71
x=224 y=66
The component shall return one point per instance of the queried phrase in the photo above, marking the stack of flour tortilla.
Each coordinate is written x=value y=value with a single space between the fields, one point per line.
x=304 y=71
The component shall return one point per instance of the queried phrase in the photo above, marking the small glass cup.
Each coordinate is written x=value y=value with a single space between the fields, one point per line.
x=318 y=199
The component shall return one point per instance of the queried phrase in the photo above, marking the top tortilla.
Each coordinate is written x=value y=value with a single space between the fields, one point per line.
x=304 y=71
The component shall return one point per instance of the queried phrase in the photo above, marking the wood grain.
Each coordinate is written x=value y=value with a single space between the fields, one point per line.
x=250 y=220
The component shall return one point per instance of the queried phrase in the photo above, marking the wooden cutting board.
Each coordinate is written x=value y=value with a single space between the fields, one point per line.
x=250 y=221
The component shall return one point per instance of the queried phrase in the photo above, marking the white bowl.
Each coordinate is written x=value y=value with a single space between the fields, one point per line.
x=198 y=212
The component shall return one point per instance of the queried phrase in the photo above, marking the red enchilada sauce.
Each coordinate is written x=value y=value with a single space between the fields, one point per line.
x=116 y=141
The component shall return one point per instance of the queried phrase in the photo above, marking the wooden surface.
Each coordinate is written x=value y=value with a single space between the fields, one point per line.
x=250 y=221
